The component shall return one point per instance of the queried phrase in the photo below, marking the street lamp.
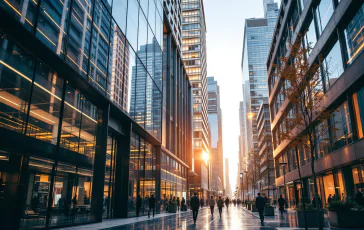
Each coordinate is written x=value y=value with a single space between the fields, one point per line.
x=247 y=186
x=283 y=165
x=242 y=184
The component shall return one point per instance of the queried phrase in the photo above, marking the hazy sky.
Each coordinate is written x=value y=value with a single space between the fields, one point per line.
x=225 y=29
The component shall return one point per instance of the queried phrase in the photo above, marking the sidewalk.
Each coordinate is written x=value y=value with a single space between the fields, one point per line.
x=288 y=220
x=112 y=223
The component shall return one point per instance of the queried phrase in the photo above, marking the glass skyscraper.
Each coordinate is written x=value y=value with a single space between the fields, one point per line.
x=194 y=57
x=258 y=34
x=81 y=111
x=216 y=145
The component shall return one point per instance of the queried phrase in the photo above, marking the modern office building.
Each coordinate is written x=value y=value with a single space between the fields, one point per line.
x=194 y=57
x=81 y=109
x=216 y=144
x=335 y=31
x=267 y=176
x=258 y=34
x=257 y=38
x=227 y=179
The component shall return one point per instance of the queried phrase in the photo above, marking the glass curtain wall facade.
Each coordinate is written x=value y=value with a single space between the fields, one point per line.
x=340 y=52
x=258 y=34
x=215 y=122
x=194 y=57
x=81 y=95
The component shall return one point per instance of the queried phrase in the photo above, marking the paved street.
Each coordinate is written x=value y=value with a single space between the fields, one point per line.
x=234 y=218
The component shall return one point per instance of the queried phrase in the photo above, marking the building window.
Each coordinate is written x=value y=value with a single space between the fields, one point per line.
x=310 y=36
x=341 y=127
x=358 y=102
x=332 y=66
x=354 y=34
x=323 y=12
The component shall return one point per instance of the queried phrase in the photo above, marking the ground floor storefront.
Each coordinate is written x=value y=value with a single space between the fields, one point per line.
x=340 y=183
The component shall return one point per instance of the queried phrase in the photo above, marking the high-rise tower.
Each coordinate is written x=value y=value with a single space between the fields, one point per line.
x=194 y=56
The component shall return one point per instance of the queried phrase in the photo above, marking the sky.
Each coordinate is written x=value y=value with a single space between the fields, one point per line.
x=225 y=32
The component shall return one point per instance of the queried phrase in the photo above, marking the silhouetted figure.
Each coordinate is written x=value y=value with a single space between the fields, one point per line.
x=212 y=205
x=313 y=202
x=201 y=202
x=281 y=202
x=359 y=198
x=260 y=204
x=220 y=205
x=152 y=202
x=329 y=199
x=265 y=198
x=138 y=204
x=227 y=202
x=194 y=206
x=238 y=202
x=34 y=203
x=178 y=204
x=183 y=204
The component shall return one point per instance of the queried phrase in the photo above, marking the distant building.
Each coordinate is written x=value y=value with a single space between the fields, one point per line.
x=267 y=176
x=258 y=34
x=228 y=191
x=215 y=122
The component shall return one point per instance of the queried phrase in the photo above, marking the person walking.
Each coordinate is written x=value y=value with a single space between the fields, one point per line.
x=138 y=204
x=178 y=204
x=183 y=204
x=329 y=199
x=281 y=202
x=212 y=205
x=194 y=206
x=227 y=201
x=220 y=205
x=201 y=202
x=359 y=198
x=260 y=204
x=265 y=198
x=152 y=202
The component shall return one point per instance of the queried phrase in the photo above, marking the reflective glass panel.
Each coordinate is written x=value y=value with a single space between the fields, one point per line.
x=354 y=34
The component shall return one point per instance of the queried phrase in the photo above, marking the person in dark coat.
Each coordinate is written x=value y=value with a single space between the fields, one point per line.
x=359 y=198
x=195 y=205
x=227 y=202
x=260 y=204
x=202 y=203
x=329 y=199
x=178 y=203
x=220 y=205
x=281 y=202
x=152 y=202
x=313 y=202
x=138 y=204
x=34 y=203
x=183 y=204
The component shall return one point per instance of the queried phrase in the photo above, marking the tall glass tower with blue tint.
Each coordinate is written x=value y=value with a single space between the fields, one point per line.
x=258 y=34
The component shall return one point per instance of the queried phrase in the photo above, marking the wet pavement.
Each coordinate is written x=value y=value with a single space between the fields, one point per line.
x=233 y=218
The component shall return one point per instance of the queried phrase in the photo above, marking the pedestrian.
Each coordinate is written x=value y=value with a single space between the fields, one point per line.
x=201 y=202
x=238 y=201
x=178 y=204
x=183 y=204
x=313 y=202
x=34 y=202
x=227 y=201
x=359 y=198
x=220 y=205
x=212 y=205
x=152 y=202
x=329 y=199
x=194 y=206
x=281 y=202
x=138 y=205
x=260 y=204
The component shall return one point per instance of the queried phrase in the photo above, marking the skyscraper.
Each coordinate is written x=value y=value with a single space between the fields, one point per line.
x=194 y=56
x=215 y=121
x=228 y=191
x=258 y=34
